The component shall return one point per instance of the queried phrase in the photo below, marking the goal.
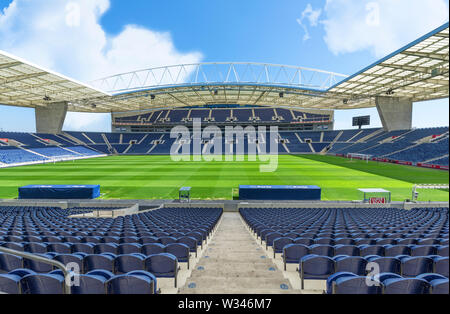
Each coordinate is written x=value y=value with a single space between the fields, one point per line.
x=415 y=194
x=365 y=157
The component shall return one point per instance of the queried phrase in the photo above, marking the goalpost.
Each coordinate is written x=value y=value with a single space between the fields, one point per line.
x=415 y=194
x=359 y=156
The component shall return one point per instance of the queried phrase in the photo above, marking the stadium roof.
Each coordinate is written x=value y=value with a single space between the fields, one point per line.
x=26 y=85
x=418 y=71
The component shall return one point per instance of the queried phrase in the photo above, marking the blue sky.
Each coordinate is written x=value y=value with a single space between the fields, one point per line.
x=113 y=36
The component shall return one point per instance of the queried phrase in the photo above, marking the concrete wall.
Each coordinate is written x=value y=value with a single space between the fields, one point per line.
x=229 y=206
x=199 y=205
x=395 y=113
x=105 y=213
x=51 y=118
x=399 y=205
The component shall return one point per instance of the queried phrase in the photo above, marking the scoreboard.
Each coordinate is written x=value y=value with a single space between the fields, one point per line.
x=360 y=121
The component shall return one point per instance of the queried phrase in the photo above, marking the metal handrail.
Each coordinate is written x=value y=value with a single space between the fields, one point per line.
x=37 y=258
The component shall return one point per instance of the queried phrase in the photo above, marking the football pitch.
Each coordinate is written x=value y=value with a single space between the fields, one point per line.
x=158 y=177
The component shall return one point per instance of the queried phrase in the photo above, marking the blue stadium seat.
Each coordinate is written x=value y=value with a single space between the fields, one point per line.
x=440 y=286
x=126 y=263
x=129 y=248
x=315 y=267
x=324 y=241
x=60 y=248
x=406 y=286
x=414 y=266
x=442 y=250
x=168 y=240
x=293 y=253
x=130 y=284
x=162 y=265
x=10 y=284
x=190 y=242
x=66 y=259
x=32 y=247
x=441 y=266
x=98 y=261
x=423 y=250
x=10 y=262
x=152 y=248
x=304 y=241
x=322 y=250
x=42 y=284
x=332 y=278
x=87 y=248
x=270 y=237
x=101 y=248
x=395 y=250
x=353 y=264
x=89 y=284
x=280 y=243
x=39 y=267
x=350 y=250
x=430 y=277
x=387 y=264
x=356 y=285
x=367 y=250
x=180 y=251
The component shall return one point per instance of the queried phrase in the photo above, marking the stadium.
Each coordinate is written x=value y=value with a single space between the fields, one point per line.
x=228 y=178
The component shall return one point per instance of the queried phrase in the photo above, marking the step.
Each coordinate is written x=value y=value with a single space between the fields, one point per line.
x=244 y=272
x=233 y=262
x=227 y=259
x=216 y=284
x=187 y=290
x=235 y=267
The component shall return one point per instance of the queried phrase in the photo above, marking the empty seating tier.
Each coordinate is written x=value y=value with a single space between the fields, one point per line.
x=360 y=245
x=122 y=255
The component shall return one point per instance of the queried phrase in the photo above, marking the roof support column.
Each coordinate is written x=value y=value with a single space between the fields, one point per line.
x=50 y=119
x=395 y=113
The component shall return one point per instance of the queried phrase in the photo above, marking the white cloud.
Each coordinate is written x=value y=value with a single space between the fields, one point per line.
x=381 y=26
x=66 y=36
x=312 y=16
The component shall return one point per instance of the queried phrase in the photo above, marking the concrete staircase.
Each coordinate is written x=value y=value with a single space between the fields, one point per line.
x=369 y=136
x=73 y=139
x=354 y=136
x=234 y=263
x=434 y=159
x=299 y=138
x=110 y=147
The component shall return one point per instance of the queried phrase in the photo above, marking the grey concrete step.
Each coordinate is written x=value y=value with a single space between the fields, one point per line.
x=234 y=263
x=236 y=266
x=240 y=291
x=215 y=283
x=244 y=273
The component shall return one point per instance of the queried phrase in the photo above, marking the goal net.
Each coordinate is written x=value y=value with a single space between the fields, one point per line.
x=365 y=157
x=415 y=193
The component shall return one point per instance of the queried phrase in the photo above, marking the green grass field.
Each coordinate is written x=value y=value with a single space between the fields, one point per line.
x=158 y=177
